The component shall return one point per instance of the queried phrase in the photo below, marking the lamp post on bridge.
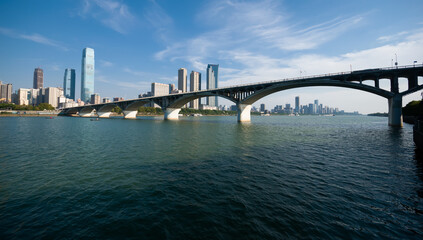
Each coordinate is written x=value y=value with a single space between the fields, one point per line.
x=396 y=61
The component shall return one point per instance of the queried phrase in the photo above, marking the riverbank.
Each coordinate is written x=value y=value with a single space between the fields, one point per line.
x=28 y=115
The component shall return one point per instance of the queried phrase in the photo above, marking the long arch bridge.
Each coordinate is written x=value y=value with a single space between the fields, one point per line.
x=245 y=95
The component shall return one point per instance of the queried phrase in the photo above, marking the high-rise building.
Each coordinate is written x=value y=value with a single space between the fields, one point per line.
x=171 y=88
x=297 y=104
x=106 y=100
x=87 y=74
x=262 y=107
x=159 y=89
x=52 y=95
x=212 y=80
x=5 y=92
x=23 y=96
x=195 y=85
x=69 y=83
x=95 y=98
x=182 y=79
x=38 y=78
x=316 y=107
x=34 y=96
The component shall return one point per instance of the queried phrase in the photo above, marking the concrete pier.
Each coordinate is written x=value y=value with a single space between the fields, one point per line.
x=104 y=114
x=244 y=112
x=130 y=114
x=395 y=111
x=172 y=113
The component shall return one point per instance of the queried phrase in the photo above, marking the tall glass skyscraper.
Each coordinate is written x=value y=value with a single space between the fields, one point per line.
x=69 y=83
x=212 y=80
x=87 y=74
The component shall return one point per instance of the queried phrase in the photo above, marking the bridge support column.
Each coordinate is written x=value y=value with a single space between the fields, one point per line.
x=244 y=112
x=86 y=114
x=412 y=82
x=394 y=84
x=172 y=113
x=395 y=111
x=130 y=114
x=104 y=114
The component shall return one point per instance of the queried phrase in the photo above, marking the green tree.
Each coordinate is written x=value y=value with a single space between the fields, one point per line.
x=117 y=110
x=412 y=108
x=43 y=106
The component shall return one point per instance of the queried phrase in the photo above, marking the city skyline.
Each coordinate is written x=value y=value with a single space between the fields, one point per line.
x=144 y=42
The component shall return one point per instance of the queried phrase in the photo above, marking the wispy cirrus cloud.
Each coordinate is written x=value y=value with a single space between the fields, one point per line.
x=34 y=37
x=388 y=38
x=105 y=63
x=112 y=14
x=158 y=19
x=252 y=26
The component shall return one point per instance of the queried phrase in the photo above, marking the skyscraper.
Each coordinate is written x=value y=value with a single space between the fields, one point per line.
x=5 y=92
x=69 y=83
x=87 y=74
x=316 y=107
x=182 y=79
x=297 y=104
x=262 y=107
x=212 y=80
x=38 y=78
x=195 y=85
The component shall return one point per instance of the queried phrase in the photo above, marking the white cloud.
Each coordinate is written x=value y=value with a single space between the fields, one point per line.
x=105 y=63
x=393 y=37
x=35 y=37
x=112 y=14
x=134 y=72
x=238 y=26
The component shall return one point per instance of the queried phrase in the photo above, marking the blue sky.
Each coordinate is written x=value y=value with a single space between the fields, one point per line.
x=139 y=42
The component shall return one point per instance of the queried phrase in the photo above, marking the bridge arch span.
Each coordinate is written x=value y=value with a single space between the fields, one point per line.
x=321 y=83
x=86 y=111
x=107 y=108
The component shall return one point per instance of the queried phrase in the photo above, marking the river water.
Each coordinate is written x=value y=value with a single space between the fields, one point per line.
x=278 y=177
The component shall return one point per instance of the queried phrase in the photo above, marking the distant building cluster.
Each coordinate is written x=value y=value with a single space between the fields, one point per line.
x=309 y=109
x=209 y=103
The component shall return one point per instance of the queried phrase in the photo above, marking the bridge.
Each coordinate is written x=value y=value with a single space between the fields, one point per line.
x=245 y=95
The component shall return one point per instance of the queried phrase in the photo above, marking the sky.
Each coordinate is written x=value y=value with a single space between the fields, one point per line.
x=140 y=42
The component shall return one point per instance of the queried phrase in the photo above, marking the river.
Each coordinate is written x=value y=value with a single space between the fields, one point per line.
x=277 y=177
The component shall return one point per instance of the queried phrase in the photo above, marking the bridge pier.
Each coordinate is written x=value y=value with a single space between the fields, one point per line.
x=86 y=114
x=104 y=114
x=172 y=113
x=395 y=111
x=130 y=114
x=244 y=112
